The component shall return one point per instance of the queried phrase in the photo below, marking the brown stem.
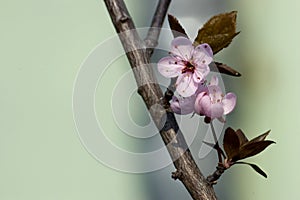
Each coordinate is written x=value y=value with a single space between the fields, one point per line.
x=220 y=169
x=148 y=88
x=217 y=146
x=157 y=21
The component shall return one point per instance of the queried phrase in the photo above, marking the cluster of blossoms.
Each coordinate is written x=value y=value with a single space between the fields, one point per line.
x=191 y=65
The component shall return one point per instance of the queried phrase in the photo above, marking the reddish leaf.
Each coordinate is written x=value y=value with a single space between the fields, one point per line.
x=237 y=139
x=218 y=31
x=242 y=137
x=176 y=27
x=261 y=137
x=255 y=167
x=252 y=149
x=231 y=143
x=225 y=69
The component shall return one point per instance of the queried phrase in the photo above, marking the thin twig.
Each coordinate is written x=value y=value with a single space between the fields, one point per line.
x=148 y=88
x=220 y=169
x=151 y=40
x=217 y=146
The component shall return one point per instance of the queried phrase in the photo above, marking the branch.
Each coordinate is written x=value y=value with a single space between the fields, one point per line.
x=153 y=34
x=161 y=113
x=220 y=169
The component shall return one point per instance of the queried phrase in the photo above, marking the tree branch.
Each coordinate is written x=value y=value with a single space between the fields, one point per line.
x=158 y=18
x=139 y=59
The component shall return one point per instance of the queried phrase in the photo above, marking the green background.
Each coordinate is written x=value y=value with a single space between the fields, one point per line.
x=42 y=46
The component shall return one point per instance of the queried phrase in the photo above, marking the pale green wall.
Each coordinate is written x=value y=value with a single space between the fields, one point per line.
x=42 y=45
x=267 y=52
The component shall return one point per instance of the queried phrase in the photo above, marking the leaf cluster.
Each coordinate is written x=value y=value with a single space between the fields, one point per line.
x=237 y=147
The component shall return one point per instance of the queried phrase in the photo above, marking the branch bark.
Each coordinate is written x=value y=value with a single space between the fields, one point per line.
x=138 y=55
x=157 y=21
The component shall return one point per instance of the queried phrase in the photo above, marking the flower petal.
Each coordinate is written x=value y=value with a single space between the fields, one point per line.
x=204 y=106
x=198 y=106
x=202 y=56
x=214 y=80
x=185 y=85
x=229 y=103
x=168 y=68
x=205 y=47
x=200 y=73
x=175 y=105
x=182 y=105
x=201 y=88
x=215 y=93
x=182 y=47
x=216 y=111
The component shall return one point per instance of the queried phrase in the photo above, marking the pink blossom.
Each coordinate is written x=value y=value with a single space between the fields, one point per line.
x=213 y=103
x=188 y=63
x=183 y=105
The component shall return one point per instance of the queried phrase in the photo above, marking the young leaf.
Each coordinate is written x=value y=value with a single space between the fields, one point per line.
x=176 y=28
x=252 y=149
x=231 y=143
x=255 y=167
x=242 y=137
x=218 y=31
x=261 y=137
x=237 y=146
x=225 y=69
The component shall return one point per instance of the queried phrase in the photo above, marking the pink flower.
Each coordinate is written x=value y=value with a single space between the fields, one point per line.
x=213 y=103
x=187 y=62
x=183 y=105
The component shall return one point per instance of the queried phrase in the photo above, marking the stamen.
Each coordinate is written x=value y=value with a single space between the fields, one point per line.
x=189 y=67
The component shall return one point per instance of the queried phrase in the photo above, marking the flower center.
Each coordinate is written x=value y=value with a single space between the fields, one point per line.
x=189 y=67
